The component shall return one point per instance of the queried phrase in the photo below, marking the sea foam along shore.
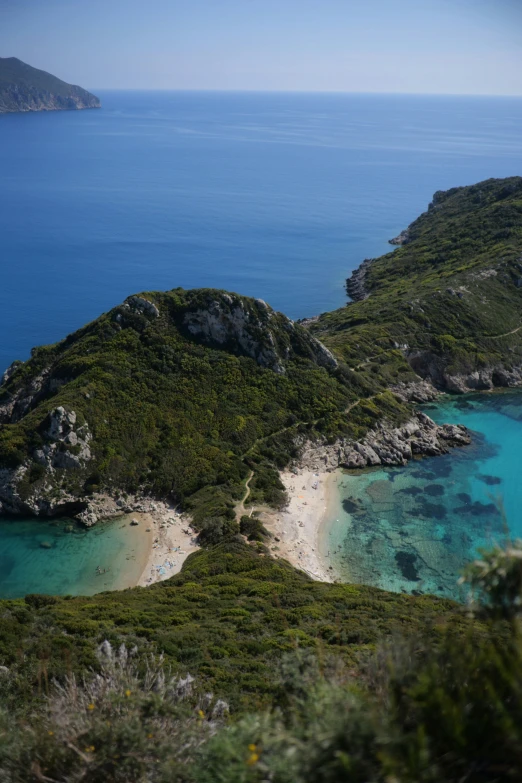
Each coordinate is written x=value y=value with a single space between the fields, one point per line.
x=298 y=530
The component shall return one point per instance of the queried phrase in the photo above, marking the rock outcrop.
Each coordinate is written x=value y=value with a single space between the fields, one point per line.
x=27 y=395
x=387 y=445
x=401 y=239
x=252 y=328
x=138 y=304
x=356 y=283
x=65 y=448
x=68 y=445
x=433 y=369
x=416 y=391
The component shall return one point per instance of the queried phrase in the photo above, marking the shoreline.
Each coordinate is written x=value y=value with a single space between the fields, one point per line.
x=171 y=542
x=298 y=530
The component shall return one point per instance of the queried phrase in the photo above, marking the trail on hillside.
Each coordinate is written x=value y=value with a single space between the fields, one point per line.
x=240 y=508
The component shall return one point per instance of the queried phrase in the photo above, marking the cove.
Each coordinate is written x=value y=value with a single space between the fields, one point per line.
x=58 y=557
x=412 y=529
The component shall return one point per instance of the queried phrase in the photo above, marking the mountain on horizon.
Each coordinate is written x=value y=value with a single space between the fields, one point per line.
x=24 y=88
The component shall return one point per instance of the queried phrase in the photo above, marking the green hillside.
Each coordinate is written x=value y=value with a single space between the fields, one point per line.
x=162 y=406
x=448 y=303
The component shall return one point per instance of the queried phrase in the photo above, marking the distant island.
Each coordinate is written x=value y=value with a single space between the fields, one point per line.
x=24 y=88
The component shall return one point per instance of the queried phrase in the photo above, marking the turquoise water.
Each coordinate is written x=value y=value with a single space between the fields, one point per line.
x=412 y=529
x=278 y=196
x=61 y=558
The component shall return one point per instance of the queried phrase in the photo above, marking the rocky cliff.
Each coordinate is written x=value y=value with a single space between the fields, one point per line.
x=23 y=89
x=387 y=444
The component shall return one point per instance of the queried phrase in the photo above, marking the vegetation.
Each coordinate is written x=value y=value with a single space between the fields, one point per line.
x=439 y=699
x=175 y=414
x=295 y=680
x=447 y=302
x=177 y=410
x=227 y=617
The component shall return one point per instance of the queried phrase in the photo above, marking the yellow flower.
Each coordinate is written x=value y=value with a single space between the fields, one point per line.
x=252 y=748
x=150 y=736
x=201 y=713
x=51 y=733
x=90 y=749
x=128 y=692
x=90 y=706
x=253 y=759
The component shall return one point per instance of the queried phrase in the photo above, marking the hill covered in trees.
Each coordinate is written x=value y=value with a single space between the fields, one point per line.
x=447 y=304
x=24 y=88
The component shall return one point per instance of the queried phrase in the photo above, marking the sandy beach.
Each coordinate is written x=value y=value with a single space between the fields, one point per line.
x=170 y=541
x=298 y=530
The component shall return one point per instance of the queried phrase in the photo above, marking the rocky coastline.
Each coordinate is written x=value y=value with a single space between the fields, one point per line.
x=385 y=445
x=356 y=283
x=400 y=239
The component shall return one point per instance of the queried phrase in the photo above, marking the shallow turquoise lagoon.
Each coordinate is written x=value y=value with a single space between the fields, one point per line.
x=412 y=529
x=61 y=558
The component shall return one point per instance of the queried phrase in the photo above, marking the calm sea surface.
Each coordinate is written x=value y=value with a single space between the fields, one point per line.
x=277 y=196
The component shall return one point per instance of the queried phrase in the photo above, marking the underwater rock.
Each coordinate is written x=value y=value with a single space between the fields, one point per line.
x=423 y=474
x=478 y=509
x=435 y=490
x=411 y=491
x=351 y=505
x=430 y=510
x=406 y=563
x=489 y=480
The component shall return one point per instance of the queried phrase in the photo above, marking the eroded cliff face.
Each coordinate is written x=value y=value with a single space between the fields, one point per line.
x=252 y=328
x=435 y=371
x=37 y=486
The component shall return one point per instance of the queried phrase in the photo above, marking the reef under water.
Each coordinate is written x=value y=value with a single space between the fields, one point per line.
x=414 y=528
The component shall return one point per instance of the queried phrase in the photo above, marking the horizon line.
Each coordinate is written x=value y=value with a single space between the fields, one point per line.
x=307 y=92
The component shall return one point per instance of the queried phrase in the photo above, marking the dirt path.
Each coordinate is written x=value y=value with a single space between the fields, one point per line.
x=240 y=508
x=498 y=336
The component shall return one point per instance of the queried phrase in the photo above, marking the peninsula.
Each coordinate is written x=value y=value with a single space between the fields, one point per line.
x=216 y=403
x=24 y=88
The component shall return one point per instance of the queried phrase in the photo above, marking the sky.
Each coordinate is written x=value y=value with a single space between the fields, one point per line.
x=383 y=46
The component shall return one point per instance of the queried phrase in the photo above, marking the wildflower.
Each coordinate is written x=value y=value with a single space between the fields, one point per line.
x=201 y=714
x=150 y=736
x=252 y=759
x=252 y=748
x=90 y=706
x=90 y=749
x=128 y=692
x=51 y=733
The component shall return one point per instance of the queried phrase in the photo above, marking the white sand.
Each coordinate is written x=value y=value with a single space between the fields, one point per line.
x=171 y=542
x=299 y=525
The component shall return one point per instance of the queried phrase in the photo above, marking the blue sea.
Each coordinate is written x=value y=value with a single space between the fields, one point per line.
x=279 y=196
x=275 y=195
